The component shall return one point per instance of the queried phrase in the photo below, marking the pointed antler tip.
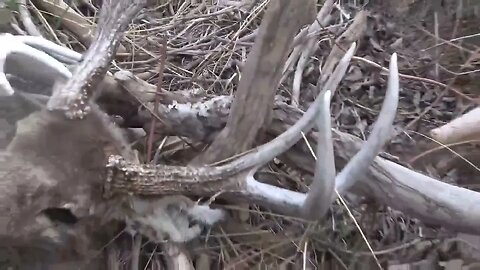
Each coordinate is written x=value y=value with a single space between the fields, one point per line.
x=328 y=95
x=393 y=58
x=352 y=48
x=393 y=68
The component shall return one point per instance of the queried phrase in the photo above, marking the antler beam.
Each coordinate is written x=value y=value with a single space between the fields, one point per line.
x=73 y=96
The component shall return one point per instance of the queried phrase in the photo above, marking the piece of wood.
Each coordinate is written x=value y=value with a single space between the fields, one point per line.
x=76 y=23
x=251 y=109
x=353 y=34
x=79 y=25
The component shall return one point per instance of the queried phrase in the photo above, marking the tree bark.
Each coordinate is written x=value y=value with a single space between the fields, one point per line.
x=251 y=109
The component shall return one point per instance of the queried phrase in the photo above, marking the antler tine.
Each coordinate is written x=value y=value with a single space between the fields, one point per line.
x=30 y=61
x=73 y=97
x=359 y=164
x=342 y=66
x=318 y=198
x=66 y=55
x=284 y=141
x=322 y=188
x=315 y=204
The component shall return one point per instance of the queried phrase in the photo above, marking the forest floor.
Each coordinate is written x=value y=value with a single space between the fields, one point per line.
x=206 y=47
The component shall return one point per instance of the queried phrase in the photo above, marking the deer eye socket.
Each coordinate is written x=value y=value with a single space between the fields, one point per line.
x=62 y=215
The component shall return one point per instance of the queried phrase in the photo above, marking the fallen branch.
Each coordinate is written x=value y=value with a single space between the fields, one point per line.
x=304 y=51
x=251 y=110
x=353 y=33
x=27 y=19
x=83 y=29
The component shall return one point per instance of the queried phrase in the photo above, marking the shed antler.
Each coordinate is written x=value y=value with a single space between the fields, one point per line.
x=34 y=58
x=37 y=58
x=316 y=202
x=126 y=177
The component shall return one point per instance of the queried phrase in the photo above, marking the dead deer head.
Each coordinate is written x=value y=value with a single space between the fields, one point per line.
x=56 y=163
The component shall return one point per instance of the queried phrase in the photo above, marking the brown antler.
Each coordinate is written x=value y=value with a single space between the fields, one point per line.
x=74 y=95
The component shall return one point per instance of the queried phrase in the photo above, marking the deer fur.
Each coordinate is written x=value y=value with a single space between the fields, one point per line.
x=64 y=158
x=55 y=170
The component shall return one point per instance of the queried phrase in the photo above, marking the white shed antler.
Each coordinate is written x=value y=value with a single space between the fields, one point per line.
x=33 y=58
x=160 y=179
x=316 y=203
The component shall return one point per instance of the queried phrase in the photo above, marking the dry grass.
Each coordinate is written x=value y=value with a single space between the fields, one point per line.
x=206 y=46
